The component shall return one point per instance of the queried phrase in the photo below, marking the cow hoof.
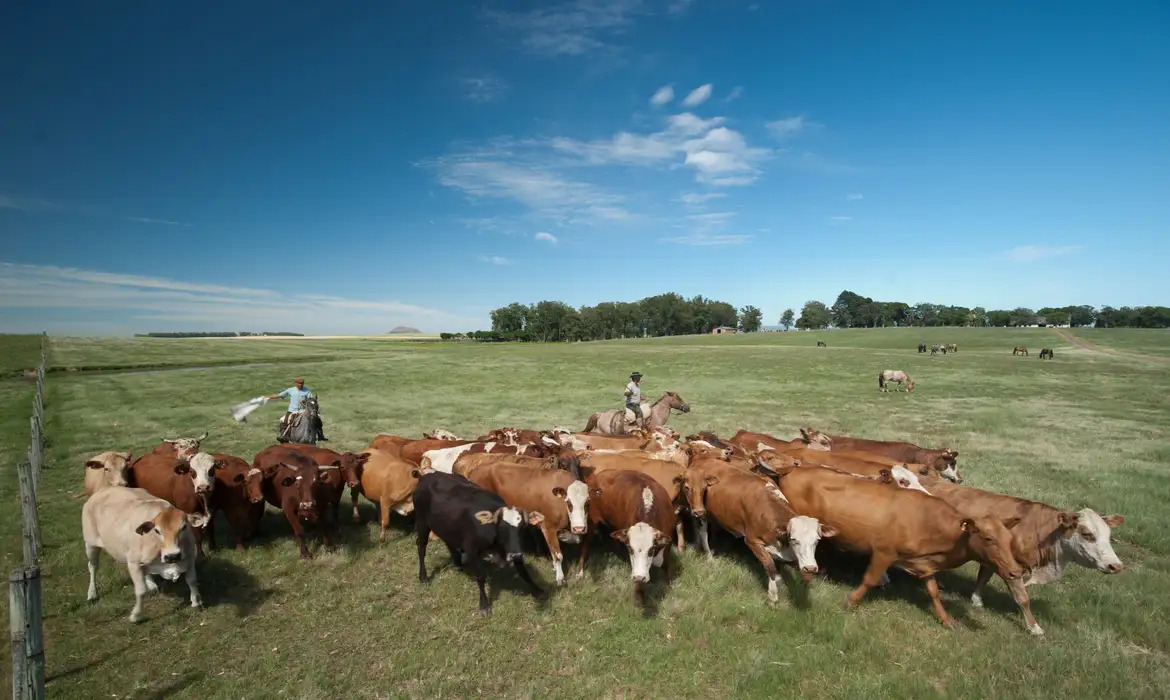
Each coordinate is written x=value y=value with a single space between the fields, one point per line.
x=976 y=600
x=1036 y=631
x=950 y=624
x=135 y=618
x=91 y=601
x=485 y=612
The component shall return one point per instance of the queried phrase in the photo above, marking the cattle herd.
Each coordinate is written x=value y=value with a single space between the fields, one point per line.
x=902 y=505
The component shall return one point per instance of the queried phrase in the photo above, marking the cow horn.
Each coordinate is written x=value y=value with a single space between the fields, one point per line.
x=201 y=437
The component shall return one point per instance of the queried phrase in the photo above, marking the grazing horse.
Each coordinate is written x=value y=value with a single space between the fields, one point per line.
x=821 y=344
x=1046 y=353
x=895 y=375
x=952 y=348
x=1019 y=350
x=617 y=422
x=936 y=349
x=302 y=424
x=922 y=347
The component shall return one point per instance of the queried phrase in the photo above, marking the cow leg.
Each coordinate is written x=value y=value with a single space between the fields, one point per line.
x=424 y=537
x=326 y=527
x=353 y=497
x=878 y=563
x=681 y=542
x=92 y=554
x=210 y=528
x=383 y=519
x=981 y=580
x=138 y=577
x=151 y=586
x=199 y=543
x=640 y=592
x=1020 y=594
x=759 y=549
x=193 y=584
x=290 y=514
x=584 y=549
x=485 y=605
x=554 y=549
x=701 y=536
x=943 y=617
x=456 y=556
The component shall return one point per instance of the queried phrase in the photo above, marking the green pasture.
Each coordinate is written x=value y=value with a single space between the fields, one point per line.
x=1089 y=428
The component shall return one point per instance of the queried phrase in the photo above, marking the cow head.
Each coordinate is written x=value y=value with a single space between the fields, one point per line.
x=202 y=472
x=115 y=467
x=185 y=448
x=907 y=479
x=700 y=449
x=773 y=463
x=1087 y=540
x=507 y=522
x=166 y=527
x=694 y=486
x=816 y=439
x=801 y=535
x=945 y=462
x=440 y=434
x=253 y=483
x=991 y=541
x=297 y=482
x=351 y=467
x=645 y=545
x=576 y=499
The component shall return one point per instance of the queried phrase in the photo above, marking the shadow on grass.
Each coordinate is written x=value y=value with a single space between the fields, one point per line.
x=223 y=582
x=173 y=687
x=728 y=546
x=93 y=663
x=604 y=551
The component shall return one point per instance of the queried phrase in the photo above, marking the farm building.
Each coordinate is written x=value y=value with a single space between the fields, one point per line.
x=723 y=330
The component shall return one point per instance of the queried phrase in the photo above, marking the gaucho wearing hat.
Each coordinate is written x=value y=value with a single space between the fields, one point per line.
x=634 y=396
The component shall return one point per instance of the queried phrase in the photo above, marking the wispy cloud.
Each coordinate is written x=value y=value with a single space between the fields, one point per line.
x=1032 y=253
x=546 y=237
x=144 y=220
x=709 y=239
x=571 y=28
x=782 y=129
x=662 y=95
x=840 y=219
x=698 y=96
x=155 y=303
x=855 y=196
x=495 y=260
x=22 y=203
x=734 y=94
x=693 y=199
x=709 y=229
x=679 y=6
x=484 y=88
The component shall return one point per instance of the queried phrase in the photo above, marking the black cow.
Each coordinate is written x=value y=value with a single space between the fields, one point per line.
x=472 y=522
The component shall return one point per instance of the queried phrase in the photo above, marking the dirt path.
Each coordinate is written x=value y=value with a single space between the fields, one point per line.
x=1080 y=342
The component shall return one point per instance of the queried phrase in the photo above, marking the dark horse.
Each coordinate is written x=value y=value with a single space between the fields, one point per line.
x=922 y=347
x=303 y=426
x=821 y=344
x=1019 y=350
x=1046 y=353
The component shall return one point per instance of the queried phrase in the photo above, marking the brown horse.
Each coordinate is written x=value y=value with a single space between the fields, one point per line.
x=1019 y=350
x=895 y=375
x=615 y=422
x=1046 y=353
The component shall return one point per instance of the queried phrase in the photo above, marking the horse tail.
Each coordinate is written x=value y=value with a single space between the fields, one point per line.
x=881 y=380
x=592 y=423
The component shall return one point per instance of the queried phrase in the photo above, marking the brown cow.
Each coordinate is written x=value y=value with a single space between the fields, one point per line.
x=239 y=493
x=669 y=476
x=187 y=486
x=466 y=463
x=388 y=481
x=562 y=501
x=389 y=443
x=413 y=451
x=350 y=465
x=290 y=484
x=750 y=442
x=1043 y=542
x=589 y=441
x=849 y=461
x=942 y=461
x=752 y=507
x=179 y=448
x=899 y=527
x=106 y=469
x=641 y=516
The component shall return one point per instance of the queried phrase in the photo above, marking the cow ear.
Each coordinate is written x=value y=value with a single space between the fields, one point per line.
x=239 y=479
x=94 y=464
x=661 y=539
x=363 y=458
x=1113 y=520
x=182 y=468
x=485 y=517
x=145 y=527
x=1068 y=522
x=678 y=479
x=828 y=530
x=953 y=453
x=712 y=480
x=594 y=492
x=535 y=518
x=1011 y=522
x=968 y=525
x=559 y=492
x=621 y=535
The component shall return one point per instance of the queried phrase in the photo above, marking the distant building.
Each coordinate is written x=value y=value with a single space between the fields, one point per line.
x=723 y=330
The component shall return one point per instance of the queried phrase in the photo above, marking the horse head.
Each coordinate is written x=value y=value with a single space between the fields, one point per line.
x=676 y=402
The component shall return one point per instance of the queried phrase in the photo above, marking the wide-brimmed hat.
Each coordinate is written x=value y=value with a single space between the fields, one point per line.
x=636 y=375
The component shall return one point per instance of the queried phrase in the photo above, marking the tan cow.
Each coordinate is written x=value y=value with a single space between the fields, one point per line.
x=669 y=476
x=389 y=443
x=554 y=494
x=387 y=481
x=106 y=469
x=147 y=534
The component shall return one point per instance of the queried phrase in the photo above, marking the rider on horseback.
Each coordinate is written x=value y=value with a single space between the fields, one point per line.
x=634 y=398
x=296 y=396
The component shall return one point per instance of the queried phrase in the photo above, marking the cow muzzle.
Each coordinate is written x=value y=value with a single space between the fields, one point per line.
x=578 y=530
x=1113 y=568
x=807 y=573
x=203 y=488
x=307 y=510
x=172 y=557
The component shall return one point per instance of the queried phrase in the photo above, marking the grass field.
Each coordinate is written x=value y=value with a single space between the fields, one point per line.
x=1087 y=429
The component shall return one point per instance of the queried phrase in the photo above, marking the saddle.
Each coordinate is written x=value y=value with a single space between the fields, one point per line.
x=631 y=419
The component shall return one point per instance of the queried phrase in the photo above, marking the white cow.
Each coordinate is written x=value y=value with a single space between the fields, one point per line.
x=148 y=534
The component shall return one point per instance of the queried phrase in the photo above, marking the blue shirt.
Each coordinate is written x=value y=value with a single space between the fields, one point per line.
x=295 y=396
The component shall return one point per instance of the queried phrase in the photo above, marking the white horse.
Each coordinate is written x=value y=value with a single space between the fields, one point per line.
x=895 y=375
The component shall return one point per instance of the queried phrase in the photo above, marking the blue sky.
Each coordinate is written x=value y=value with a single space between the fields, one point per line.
x=350 y=167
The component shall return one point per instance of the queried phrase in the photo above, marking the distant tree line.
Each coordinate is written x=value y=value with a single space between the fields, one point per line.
x=212 y=334
x=855 y=311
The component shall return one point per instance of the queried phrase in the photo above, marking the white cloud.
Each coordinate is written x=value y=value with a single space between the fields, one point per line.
x=855 y=196
x=734 y=94
x=695 y=198
x=1032 y=253
x=698 y=96
x=485 y=88
x=709 y=239
x=495 y=260
x=709 y=229
x=144 y=220
x=110 y=302
x=571 y=28
x=662 y=95
x=679 y=6
x=548 y=237
x=786 y=128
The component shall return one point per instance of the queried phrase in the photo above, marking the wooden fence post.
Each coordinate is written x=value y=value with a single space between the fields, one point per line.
x=31 y=525
x=28 y=643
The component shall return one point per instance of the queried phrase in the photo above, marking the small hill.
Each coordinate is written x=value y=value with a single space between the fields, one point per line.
x=406 y=329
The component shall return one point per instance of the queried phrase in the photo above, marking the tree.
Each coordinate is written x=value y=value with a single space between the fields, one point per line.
x=848 y=311
x=814 y=314
x=509 y=321
x=1023 y=316
x=1081 y=315
x=999 y=318
x=750 y=319
x=787 y=318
